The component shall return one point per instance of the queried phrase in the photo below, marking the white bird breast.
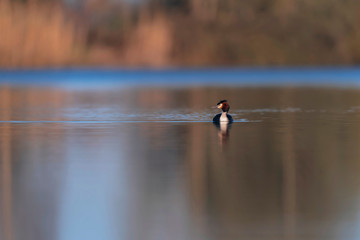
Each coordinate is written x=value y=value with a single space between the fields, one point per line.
x=223 y=117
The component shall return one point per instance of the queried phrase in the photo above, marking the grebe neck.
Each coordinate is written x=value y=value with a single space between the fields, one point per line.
x=224 y=117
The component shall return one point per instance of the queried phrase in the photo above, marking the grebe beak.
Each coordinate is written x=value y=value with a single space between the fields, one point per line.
x=220 y=105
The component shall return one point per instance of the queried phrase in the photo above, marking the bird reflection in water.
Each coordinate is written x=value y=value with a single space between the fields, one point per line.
x=223 y=131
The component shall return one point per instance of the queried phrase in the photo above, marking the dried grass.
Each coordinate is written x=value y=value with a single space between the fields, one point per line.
x=35 y=35
x=150 y=43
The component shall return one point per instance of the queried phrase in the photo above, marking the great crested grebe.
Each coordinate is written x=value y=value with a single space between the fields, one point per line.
x=224 y=116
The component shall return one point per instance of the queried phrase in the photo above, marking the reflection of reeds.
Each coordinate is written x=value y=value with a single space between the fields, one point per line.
x=6 y=169
x=35 y=35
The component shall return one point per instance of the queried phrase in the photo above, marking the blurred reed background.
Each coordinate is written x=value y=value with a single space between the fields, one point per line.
x=36 y=34
x=162 y=33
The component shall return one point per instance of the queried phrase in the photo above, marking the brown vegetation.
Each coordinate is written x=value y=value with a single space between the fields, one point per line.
x=149 y=43
x=34 y=34
x=181 y=32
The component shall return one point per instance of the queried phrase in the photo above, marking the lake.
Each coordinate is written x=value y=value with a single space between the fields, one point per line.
x=144 y=161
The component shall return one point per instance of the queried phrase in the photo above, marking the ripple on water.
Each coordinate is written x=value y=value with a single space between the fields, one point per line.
x=119 y=114
x=106 y=114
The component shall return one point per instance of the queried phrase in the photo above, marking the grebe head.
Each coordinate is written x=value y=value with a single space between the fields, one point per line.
x=223 y=105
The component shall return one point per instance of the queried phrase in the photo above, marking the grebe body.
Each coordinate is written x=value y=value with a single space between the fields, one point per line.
x=223 y=117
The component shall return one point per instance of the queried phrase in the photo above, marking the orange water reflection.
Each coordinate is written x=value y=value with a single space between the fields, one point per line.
x=292 y=174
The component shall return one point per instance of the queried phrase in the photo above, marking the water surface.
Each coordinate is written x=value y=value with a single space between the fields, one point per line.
x=147 y=163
